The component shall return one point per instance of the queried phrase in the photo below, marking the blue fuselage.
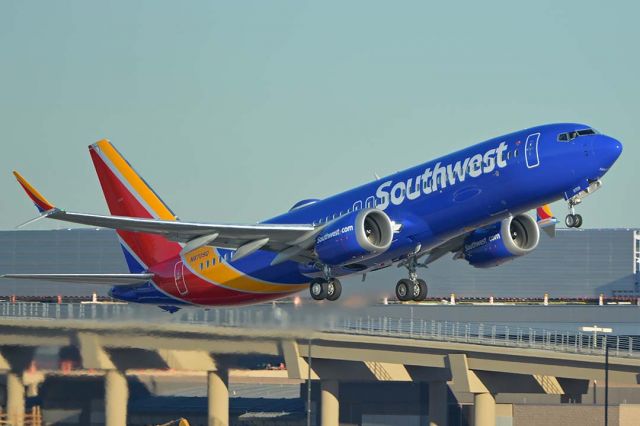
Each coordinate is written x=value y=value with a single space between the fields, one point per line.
x=477 y=186
x=436 y=201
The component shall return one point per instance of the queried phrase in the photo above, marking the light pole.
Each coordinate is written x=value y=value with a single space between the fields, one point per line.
x=309 y=383
x=595 y=329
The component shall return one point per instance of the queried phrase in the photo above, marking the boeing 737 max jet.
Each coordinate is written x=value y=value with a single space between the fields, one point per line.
x=471 y=203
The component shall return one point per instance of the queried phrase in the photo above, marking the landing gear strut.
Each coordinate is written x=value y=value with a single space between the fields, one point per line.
x=412 y=288
x=325 y=288
x=573 y=220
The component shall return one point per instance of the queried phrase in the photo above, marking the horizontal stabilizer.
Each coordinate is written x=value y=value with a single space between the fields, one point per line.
x=106 y=279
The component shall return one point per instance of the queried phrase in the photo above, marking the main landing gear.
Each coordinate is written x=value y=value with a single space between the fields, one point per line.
x=325 y=288
x=321 y=289
x=412 y=288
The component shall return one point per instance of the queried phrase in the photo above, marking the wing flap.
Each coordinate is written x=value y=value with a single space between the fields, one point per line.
x=102 y=279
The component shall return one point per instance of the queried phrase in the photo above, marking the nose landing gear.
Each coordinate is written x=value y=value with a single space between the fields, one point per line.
x=573 y=220
x=412 y=288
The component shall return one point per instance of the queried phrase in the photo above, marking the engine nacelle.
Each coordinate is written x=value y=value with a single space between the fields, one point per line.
x=354 y=237
x=501 y=242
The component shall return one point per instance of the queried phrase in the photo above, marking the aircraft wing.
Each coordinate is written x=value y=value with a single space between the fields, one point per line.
x=291 y=241
x=106 y=279
x=453 y=245
x=194 y=234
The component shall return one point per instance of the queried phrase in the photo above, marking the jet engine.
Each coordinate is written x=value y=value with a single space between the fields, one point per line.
x=501 y=242
x=354 y=237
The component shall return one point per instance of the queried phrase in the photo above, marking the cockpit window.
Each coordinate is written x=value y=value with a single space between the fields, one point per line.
x=569 y=136
x=586 y=132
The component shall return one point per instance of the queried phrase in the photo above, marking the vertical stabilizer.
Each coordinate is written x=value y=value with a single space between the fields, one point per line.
x=546 y=220
x=127 y=194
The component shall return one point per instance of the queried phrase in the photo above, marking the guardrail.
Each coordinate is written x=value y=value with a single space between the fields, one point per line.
x=496 y=335
x=270 y=316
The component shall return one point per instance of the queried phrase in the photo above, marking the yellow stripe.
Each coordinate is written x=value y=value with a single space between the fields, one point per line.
x=226 y=276
x=135 y=180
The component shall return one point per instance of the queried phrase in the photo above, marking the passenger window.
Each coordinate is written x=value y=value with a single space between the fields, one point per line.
x=370 y=202
x=201 y=266
x=213 y=262
x=208 y=263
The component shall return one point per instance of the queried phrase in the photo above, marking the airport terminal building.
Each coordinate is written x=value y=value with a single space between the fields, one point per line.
x=580 y=263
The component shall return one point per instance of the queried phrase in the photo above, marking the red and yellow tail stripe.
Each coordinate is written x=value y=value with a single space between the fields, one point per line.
x=132 y=180
x=41 y=203
x=544 y=212
x=127 y=194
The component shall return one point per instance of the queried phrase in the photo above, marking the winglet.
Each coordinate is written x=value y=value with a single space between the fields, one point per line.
x=546 y=220
x=42 y=204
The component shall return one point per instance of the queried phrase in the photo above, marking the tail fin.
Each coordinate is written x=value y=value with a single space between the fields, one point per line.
x=546 y=220
x=127 y=194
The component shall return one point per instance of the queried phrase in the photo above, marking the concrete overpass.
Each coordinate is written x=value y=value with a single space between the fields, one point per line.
x=367 y=353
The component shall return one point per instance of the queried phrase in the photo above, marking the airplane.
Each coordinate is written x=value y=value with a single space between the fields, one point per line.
x=472 y=203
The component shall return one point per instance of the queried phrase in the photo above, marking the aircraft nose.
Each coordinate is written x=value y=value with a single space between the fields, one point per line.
x=606 y=150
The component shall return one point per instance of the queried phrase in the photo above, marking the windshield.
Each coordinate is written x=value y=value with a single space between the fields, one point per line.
x=569 y=136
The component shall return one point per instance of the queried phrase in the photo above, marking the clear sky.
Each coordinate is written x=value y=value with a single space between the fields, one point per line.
x=234 y=111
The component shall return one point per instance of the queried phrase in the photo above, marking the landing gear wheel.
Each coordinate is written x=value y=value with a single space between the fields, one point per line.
x=419 y=290
x=578 y=223
x=404 y=290
x=571 y=219
x=318 y=289
x=334 y=289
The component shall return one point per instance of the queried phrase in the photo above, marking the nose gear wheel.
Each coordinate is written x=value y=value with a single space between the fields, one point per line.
x=573 y=220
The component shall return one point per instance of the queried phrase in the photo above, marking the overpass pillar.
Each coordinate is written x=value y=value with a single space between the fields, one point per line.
x=329 y=404
x=438 y=408
x=116 y=394
x=484 y=409
x=218 y=397
x=15 y=398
